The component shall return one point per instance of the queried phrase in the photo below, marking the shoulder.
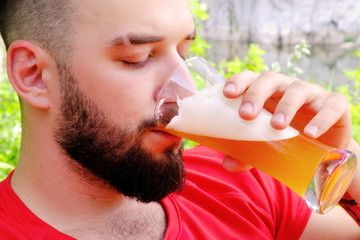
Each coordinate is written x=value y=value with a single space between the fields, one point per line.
x=252 y=194
x=18 y=222
x=205 y=164
x=9 y=227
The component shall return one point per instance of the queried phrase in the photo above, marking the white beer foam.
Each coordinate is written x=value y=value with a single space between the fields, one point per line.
x=209 y=113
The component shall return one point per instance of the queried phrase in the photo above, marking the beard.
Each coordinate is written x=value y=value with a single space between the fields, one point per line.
x=99 y=150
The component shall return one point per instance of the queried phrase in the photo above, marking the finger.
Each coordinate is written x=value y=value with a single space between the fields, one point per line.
x=335 y=111
x=233 y=165
x=265 y=86
x=298 y=94
x=238 y=83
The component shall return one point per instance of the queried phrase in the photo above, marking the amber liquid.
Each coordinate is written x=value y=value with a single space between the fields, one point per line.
x=291 y=161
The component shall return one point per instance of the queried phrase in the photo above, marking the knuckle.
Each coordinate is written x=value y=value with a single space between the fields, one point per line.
x=295 y=78
x=299 y=84
x=232 y=78
x=270 y=75
x=317 y=88
x=286 y=103
x=253 y=94
x=339 y=97
x=246 y=74
x=336 y=102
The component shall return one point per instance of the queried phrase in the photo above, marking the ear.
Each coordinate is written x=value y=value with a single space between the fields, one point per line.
x=25 y=64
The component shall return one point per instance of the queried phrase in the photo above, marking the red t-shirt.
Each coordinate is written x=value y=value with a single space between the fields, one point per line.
x=214 y=204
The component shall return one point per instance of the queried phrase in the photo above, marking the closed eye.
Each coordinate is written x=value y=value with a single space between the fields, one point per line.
x=137 y=64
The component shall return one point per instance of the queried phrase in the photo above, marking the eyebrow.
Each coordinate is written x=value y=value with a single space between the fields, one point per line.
x=141 y=39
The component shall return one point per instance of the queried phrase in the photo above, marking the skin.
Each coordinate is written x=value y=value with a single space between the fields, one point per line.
x=311 y=109
x=123 y=79
x=115 y=79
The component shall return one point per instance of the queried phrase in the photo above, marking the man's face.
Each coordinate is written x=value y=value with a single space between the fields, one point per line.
x=124 y=51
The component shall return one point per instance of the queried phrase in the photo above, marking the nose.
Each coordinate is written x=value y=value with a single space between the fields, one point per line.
x=177 y=85
x=171 y=64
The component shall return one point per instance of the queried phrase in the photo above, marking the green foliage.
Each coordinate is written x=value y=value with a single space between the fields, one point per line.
x=354 y=108
x=353 y=95
x=354 y=75
x=199 y=46
x=253 y=61
x=301 y=51
x=357 y=53
x=10 y=130
x=199 y=10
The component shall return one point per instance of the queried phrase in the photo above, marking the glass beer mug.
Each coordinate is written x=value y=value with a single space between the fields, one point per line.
x=191 y=105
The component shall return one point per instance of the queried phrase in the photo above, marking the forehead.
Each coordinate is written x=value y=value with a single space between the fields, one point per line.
x=116 y=17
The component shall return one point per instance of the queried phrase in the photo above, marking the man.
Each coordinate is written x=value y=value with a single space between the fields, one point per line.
x=93 y=165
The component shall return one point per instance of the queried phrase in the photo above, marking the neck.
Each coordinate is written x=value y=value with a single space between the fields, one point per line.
x=61 y=197
x=49 y=187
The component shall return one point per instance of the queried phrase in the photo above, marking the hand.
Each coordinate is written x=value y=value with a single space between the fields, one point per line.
x=305 y=106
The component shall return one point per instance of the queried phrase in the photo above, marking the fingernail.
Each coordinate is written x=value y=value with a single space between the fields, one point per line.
x=246 y=107
x=229 y=87
x=279 y=117
x=312 y=131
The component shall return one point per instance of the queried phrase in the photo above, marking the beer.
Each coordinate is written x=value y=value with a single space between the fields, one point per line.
x=291 y=161
x=317 y=172
x=286 y=155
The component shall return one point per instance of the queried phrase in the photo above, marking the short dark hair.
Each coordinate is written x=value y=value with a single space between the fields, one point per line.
x=44 y=22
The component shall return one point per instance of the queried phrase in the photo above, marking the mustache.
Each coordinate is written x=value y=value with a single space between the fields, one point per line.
x=165 y=113
x=147 y=124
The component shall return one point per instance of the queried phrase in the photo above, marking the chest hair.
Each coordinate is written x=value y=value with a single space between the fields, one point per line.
x=133 y=222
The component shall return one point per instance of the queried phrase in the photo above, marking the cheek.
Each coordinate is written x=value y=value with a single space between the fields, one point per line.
x=135 y=103
x=127 y=101
x=125 y=96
